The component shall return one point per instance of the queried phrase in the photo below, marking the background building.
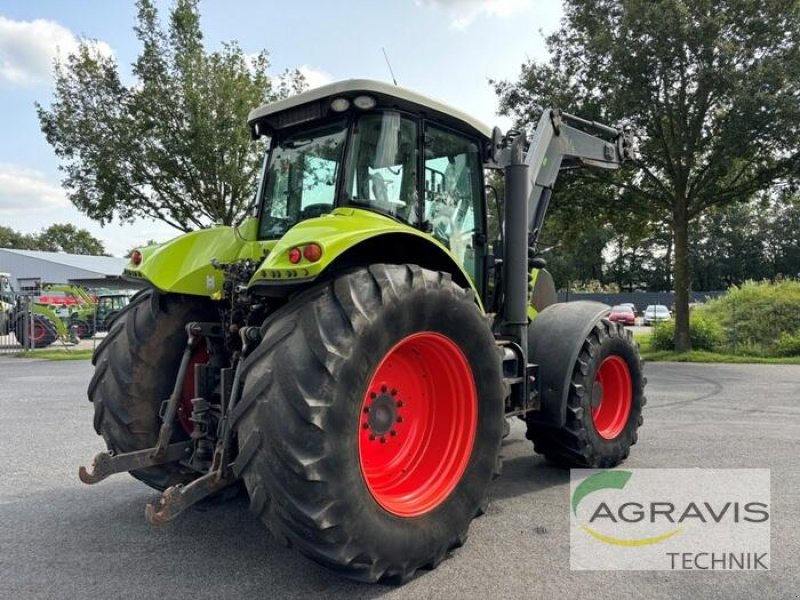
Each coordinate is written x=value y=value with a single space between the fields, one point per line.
x=26 y=266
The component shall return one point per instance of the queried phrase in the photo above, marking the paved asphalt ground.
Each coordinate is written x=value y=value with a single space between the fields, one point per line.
x=62 y=539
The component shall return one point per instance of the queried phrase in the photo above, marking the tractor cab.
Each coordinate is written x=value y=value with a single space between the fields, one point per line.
x=371 y=146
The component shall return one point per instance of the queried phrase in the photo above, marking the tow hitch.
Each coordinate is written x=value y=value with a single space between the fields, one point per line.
x=221 y=473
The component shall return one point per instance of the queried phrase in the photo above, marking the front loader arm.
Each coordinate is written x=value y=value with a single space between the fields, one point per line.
x=557 y=145
x=560 y=141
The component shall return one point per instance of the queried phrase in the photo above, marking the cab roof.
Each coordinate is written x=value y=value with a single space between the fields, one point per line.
x=315 y=104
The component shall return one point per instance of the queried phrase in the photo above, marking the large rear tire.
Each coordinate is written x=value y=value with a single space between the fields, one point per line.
x=371 y=419
x=604 y=406
x=135 y=369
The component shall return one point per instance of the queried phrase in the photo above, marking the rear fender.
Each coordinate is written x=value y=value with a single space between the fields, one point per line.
x=183 y=265
x=349 y=238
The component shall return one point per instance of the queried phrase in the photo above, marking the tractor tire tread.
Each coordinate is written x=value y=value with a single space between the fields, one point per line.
x=290 y=478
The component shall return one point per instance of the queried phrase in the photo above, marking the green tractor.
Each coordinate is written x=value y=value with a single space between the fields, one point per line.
x=34 y=325
x=86 y=313
x=107 y=306
x=79 y=315
x=7 y=303
x=352 y=351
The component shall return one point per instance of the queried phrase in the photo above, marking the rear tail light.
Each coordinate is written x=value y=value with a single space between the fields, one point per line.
x=136 y=258
x=295 y=255
x=312 y=252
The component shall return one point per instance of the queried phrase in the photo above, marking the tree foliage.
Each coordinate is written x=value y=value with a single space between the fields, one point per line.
x=758 y=239
x=63 y=237
x=713 y=87
x=171 y=145
x=10 y=238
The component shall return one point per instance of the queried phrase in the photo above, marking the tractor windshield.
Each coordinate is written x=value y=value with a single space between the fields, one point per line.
x=300 y=179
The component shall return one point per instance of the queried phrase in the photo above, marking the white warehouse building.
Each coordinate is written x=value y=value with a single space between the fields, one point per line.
x=28 y=267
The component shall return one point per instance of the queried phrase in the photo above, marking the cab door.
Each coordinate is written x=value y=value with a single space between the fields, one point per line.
x=453 y=198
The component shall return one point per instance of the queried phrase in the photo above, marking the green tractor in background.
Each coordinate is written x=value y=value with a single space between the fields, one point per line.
x=352 y=351
x=7 y=301
x=35 y=325
x=86 y=313
x=78 y=310
x=108 y=305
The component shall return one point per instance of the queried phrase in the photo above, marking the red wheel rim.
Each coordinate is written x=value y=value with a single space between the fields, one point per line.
x=38 y=331
x=417 y=424
x=611 y=413
x=199 y=357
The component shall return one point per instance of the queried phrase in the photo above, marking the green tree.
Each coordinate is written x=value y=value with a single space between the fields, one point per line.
x=711 y=85
x=728 y=244
x=14 y=239
x=63 y=237
x=782 y=234
x=172 y=145
x=68 y=238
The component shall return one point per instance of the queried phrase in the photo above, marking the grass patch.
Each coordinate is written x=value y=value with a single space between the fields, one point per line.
x=56 y=354
x=701 y=356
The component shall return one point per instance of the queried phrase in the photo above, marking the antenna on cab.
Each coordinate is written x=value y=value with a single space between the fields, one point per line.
x=388 y=64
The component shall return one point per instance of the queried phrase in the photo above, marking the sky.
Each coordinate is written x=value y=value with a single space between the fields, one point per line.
x=447 y=49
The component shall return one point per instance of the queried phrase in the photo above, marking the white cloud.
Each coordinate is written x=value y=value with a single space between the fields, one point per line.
x=23 y=190
x=315 y=77
x=463 y=12
x=28 y=49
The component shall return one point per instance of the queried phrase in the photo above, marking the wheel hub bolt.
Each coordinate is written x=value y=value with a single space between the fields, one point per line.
x=381 y=415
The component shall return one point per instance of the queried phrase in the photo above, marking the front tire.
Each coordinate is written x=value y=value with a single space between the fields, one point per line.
x=339 y=369
x=604 y=406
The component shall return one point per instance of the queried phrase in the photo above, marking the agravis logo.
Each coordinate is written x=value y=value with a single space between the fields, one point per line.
x=670 y=519
x=610 y=480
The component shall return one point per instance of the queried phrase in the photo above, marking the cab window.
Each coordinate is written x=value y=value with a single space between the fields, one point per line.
x=300 y=179
x=453 y=194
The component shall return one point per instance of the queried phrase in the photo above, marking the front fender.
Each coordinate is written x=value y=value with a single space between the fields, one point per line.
x=555 y=338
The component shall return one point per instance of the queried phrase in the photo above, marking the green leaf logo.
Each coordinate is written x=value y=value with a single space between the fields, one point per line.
x=599 y=481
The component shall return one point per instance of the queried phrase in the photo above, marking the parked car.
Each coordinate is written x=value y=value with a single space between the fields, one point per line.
x=631 y=305
x=622 y=313
x=656 y=313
